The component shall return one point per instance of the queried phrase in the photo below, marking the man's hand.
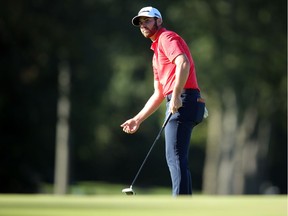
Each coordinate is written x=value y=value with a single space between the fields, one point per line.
x=130 y=126
x=175 y=104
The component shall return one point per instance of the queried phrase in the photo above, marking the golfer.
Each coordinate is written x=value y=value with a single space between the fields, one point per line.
x=174 y=80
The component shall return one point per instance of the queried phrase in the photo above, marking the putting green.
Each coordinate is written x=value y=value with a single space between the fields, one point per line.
x=198 y=205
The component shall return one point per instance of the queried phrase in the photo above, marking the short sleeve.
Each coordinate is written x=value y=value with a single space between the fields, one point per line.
x=171 y=46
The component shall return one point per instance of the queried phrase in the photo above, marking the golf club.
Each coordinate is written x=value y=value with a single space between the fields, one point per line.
x=129 y=191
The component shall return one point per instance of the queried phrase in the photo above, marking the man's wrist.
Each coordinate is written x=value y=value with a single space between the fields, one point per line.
x=177 y=92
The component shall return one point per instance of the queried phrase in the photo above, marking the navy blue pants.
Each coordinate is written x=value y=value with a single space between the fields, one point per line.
x=177 y=140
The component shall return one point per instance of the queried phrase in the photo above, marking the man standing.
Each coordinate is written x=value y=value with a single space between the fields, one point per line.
x=174 y=79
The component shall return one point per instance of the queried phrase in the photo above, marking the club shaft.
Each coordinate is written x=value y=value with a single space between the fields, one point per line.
x=156 y=139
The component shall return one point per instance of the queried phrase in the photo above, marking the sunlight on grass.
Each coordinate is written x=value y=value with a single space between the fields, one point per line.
x=103 y=188
x=49 y=205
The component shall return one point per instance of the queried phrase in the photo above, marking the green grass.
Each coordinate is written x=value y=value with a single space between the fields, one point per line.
x=140 y=205
x=103 y=188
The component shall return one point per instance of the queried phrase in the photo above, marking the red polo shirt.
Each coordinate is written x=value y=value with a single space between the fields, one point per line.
x=167 y=46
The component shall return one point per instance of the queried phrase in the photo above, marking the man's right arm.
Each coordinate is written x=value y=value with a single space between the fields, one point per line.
x=153 y=103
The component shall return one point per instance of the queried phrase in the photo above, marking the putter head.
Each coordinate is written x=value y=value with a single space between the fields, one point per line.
x=128 y=191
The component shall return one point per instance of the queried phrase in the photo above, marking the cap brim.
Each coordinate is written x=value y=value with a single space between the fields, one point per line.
x=135 y=21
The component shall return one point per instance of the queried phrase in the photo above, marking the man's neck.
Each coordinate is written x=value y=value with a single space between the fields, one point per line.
x=154 y=37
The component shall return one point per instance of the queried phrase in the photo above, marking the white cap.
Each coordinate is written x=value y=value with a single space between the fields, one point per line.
x=146 y=12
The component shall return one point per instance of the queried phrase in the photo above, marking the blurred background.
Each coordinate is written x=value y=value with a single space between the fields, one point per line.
x=72 y=71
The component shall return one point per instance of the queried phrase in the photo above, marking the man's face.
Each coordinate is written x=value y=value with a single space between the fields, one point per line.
x=148 y=26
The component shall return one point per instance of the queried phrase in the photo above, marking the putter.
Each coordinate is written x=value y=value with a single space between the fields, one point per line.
x=129 y=191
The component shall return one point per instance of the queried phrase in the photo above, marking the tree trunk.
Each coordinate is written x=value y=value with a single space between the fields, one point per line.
x=236 y=149
x=62 y=132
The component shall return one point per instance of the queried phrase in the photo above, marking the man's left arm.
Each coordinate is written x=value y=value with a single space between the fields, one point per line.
x=181 y=75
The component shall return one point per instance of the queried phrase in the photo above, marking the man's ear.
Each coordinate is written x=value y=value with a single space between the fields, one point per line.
x=159 y=22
